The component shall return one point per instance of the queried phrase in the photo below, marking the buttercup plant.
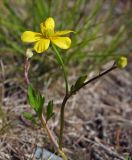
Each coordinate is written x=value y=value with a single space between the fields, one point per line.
x=36 y=100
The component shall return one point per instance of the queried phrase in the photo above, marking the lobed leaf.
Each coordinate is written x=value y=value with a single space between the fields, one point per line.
x=49 y=112
x=36 y=100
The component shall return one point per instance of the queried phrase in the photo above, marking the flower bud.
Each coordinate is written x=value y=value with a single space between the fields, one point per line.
x=122 y=62
x=29 y=53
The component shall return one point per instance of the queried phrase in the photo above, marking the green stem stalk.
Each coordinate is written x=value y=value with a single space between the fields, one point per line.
x=62 y=120
x=67 y=96
x=61 y=63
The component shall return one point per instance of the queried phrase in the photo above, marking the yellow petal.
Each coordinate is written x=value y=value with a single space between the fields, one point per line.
x=62 y=42
x=49 y=23
x=47 y=27
x=43 y=28
x=41 y=45
x=29 y=36
x=59 y=33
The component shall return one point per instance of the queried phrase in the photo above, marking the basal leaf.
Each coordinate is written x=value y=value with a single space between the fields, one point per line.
x=36 y=100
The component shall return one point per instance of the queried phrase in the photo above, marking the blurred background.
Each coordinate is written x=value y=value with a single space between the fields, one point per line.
x=103 y=33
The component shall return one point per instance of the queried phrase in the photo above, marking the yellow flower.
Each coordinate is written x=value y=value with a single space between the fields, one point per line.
x=42 y=40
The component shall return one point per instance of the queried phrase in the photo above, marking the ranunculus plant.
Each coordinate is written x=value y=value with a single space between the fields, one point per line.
x=41 y=43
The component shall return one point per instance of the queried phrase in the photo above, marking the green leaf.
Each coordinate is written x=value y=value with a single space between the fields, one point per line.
x=28 y=116
x=78 y=84
x=36 y=100
x=49 y=112
x=31 y=96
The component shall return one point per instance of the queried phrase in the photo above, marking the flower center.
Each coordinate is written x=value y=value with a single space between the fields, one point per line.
x=48 y=33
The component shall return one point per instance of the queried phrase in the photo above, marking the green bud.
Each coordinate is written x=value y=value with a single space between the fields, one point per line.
x=122 y=62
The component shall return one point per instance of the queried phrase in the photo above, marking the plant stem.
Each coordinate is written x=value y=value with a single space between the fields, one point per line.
x=62 y=120
x=61 y=63
x=42 y=118
x=26 y=69
x=62 y=154
x=95 y=78
x=67 y=96
x=52 y=137
x=50 y=134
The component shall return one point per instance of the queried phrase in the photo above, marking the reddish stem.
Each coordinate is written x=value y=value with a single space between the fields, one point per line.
x=26 y=67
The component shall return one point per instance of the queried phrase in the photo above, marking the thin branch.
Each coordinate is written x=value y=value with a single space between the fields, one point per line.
x=94 y=78
x=67 y=96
